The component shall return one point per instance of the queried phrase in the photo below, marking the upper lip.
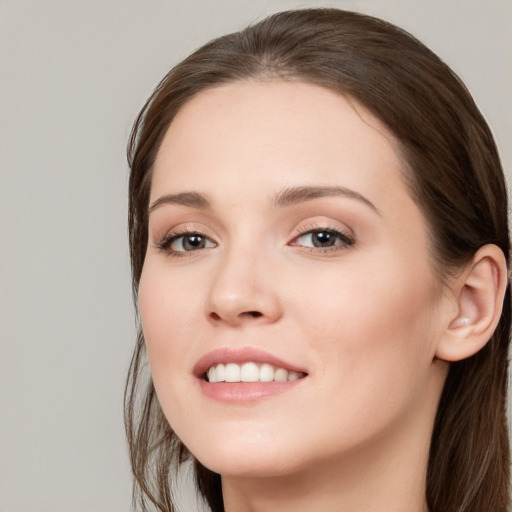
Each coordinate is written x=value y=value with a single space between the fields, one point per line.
x=239 y=356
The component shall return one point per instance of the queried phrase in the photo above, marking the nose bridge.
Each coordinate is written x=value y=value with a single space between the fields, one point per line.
x=241 y=289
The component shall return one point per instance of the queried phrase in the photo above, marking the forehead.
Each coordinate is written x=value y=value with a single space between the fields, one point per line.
x=276 y=133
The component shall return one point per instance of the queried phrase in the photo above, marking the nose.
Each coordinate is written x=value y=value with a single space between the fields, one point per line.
x=243 y=291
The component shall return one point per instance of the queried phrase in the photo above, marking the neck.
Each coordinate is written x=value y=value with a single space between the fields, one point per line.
x=352 y=486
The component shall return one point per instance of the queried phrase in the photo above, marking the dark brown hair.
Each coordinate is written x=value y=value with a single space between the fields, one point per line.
x=454 y=174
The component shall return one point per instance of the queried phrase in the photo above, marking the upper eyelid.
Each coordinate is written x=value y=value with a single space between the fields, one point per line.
x=185 y=228
x=347 y=238
x=164 y=244
x=302 y=228
x=164 y=241
x=323 y=223
x=176 y=235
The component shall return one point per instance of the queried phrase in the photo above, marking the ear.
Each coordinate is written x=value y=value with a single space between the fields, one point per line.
x=479 y=292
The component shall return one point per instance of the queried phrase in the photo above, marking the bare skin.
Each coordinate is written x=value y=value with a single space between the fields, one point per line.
x=280 y=221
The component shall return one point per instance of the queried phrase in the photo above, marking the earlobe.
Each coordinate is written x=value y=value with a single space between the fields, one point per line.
x=479 y=291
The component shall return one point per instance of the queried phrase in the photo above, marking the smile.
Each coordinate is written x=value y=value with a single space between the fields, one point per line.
x=246 y=375
x=250 y=372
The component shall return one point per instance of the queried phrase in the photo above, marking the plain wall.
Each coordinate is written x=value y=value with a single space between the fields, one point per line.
x=73 y=75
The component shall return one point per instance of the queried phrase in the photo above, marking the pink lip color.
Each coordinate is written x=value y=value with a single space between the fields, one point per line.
x=239 y=356
x=239 y=392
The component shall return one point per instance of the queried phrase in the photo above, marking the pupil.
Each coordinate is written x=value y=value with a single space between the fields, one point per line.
x=323 y=239
x=193 y=242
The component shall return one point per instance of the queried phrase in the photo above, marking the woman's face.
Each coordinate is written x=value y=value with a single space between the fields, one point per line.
x=281 y=233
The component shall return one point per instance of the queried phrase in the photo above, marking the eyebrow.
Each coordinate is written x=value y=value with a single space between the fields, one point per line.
x=295 y=195
x=287 y=197
x=191 y=199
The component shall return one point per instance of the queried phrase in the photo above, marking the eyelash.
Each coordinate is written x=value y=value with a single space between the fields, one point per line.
x=165 y=244
x=346 y=240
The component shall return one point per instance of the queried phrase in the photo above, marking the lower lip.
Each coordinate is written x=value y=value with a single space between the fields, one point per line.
x=240 y=392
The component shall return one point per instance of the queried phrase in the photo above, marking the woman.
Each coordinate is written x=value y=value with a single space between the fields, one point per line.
x=319 y=243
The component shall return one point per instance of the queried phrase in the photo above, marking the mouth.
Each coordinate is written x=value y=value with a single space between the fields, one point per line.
x=245 y=375
x=250 y=372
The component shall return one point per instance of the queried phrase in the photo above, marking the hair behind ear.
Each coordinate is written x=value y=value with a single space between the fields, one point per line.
x=472 y=410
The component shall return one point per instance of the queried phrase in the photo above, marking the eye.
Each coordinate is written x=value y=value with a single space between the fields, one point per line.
x=185 y=242
x=323 y=239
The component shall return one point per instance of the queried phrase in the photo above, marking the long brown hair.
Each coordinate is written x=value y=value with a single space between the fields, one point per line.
x=454 y=174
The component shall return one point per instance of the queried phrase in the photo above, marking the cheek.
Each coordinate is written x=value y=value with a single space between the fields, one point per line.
x=375 y=351
x=154 y=311
x=168 y=316
x=374 y=329
x=165 y=311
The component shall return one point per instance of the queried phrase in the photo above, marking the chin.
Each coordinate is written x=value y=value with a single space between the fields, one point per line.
x=261 y=466
x=247 y=459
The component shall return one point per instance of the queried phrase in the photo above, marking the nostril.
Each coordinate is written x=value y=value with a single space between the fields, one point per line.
x=245 y=314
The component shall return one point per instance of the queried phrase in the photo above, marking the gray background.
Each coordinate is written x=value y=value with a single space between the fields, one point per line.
x=73 y=75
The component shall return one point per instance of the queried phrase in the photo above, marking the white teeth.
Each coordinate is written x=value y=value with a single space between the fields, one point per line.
x=232 y=372
x=250 y=372
x=266 y=373
x=281 y=375
x=220 y=373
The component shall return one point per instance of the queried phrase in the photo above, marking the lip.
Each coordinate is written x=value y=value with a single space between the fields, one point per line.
x=243 y=392
x=246 y=392
x=239 y=356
